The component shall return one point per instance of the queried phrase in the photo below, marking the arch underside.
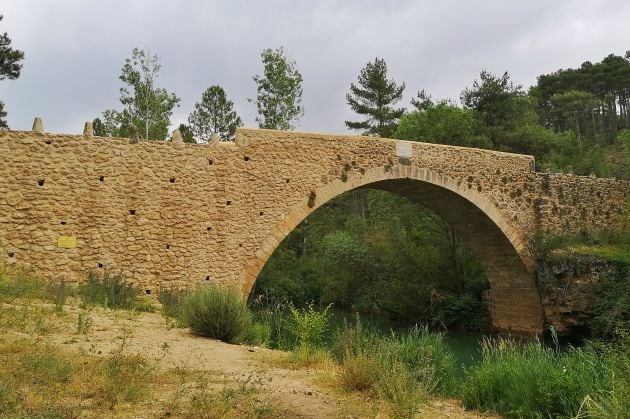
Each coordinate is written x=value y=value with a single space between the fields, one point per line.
x=513 y=299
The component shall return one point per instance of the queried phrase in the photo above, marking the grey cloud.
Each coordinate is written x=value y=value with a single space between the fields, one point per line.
x=75 y=49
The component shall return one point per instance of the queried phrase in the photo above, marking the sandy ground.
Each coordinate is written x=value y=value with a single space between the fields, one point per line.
x=295 y=390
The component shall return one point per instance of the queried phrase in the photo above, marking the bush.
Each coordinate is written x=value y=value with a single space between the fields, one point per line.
x=215 y=312
x=109 y=291
x=308 y=326
x=360 y=371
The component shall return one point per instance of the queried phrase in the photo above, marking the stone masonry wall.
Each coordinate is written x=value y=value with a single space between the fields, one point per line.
x=167 y=214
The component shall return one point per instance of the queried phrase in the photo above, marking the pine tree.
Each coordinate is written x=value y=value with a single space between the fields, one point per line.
x=215 y=114
x=374 y=98
x=10 y=67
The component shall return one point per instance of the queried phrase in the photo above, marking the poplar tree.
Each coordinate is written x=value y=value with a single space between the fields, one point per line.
x=374 y=97
x=147 y=108
x=279 y=91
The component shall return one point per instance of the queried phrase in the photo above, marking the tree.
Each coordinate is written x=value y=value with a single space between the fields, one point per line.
x=443 y=123
x=215 y=114
x=187 y=134
x=147 y=108
x=495 y=99
x=279 y=91
x=575 y=105
x=10 y=67
x=374 y=97
x=423 y=101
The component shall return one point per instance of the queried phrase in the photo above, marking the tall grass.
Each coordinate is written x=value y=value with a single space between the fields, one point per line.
x=531 y=380
x=403 y=370
x=19 y=283
x=172 y=303
x=219 y=313
x=109 y=291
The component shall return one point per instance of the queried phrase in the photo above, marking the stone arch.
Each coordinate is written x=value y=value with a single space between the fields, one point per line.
x=513 y=299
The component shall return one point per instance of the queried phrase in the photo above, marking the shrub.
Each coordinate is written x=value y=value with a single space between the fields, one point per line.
x=397 y=385
x=109 y=291
x=612 y=309
x=360 y=371
x=58 y=293
x=215 y=312
x=612 y=402
x=308 y=326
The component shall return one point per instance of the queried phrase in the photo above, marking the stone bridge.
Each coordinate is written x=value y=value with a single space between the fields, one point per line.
x=168 y=214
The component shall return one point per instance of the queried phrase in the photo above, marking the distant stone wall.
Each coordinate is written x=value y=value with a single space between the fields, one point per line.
x=168 y=214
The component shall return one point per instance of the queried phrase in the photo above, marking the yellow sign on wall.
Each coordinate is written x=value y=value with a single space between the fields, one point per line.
x=67 y=242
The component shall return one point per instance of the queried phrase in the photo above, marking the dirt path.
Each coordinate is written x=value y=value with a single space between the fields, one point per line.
x=294 y=390
x=171 y=348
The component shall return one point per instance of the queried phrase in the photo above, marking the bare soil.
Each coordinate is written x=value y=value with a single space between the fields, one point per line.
x=298 y=392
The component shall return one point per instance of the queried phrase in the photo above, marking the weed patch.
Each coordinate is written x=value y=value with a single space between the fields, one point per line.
x=109 y=291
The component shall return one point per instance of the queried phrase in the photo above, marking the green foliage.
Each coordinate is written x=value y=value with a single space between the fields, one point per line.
x=402 y=370
x=109 y=291
x=19 y=283
x=531 y=380
x=215 y=114
x=374 y=252
x=612 y=309
x=613 y=401
x=442 y=123
x=426 y=356
x=308 y=325
x=172 y=301
x=590 y=100
x=270 y=312
x=10 y=67
x=147 y=108
x=216 y=312
x=127 y=378
x=463 y=312
x=84 y=324
x=46 y=367
x=58 y=292
x=279 y=91
x=258 y=333
x=374 y=97
x=187 y=134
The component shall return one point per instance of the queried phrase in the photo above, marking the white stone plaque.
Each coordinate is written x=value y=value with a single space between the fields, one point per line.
x=404 y=150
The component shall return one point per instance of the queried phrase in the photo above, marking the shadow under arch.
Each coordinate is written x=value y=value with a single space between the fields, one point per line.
x=513 y=299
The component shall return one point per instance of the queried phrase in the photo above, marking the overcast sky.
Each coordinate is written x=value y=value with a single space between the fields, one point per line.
x=74 y=49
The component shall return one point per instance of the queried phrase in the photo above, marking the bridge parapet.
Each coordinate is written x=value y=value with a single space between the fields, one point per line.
x=170 y=214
